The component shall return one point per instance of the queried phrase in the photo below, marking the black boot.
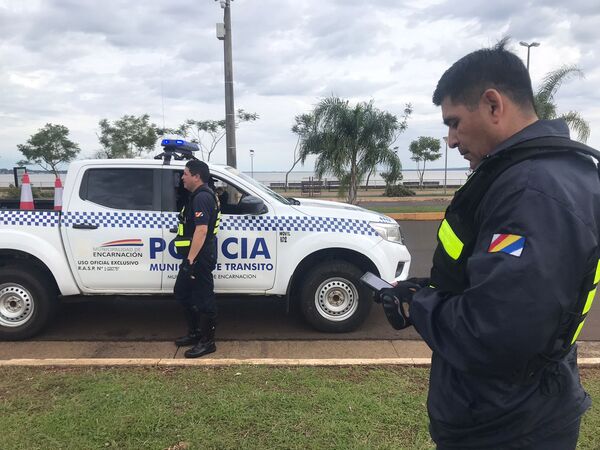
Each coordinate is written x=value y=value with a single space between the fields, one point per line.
x=207 y=343
x=194 y=333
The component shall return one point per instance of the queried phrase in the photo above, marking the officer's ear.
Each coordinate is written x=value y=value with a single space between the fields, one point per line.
x=493 y=105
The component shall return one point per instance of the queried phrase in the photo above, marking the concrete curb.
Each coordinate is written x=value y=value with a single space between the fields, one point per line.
x=211 y=362
x=152 y=362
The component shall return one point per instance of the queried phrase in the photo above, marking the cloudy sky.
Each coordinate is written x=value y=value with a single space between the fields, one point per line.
x=74 y=62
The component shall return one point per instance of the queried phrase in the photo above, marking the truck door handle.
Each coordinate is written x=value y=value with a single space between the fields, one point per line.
x=85 y=226
x=173 y=230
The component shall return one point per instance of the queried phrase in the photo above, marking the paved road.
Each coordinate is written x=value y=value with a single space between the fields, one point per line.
x=249 y=318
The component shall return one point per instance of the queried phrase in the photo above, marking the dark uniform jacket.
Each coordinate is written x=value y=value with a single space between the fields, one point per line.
x=512 y=306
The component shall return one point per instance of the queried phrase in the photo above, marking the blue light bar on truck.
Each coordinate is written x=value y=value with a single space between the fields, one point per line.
x=179 y=145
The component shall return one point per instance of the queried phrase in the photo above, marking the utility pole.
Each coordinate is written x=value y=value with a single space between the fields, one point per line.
x=525 y=44
x=224 y=34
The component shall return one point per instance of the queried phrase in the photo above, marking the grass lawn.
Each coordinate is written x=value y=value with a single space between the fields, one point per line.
x=237 y=407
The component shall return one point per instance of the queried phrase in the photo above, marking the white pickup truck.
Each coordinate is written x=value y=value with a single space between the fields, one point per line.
x=114 y=237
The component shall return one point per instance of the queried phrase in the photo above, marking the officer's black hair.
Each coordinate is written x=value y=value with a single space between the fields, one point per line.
x=488 y=68
x=197 y=167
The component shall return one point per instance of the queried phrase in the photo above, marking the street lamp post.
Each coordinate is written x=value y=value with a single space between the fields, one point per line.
x=525 y=44
x=445 y=163
x=252 y=163
x=224 y=34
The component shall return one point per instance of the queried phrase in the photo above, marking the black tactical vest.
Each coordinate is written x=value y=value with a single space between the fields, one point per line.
x=458 y=231
x=186 y=227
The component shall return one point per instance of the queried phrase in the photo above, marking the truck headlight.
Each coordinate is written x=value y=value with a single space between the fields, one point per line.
x=388 y=231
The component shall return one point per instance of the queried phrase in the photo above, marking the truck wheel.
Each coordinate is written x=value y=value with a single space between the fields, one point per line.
x=332 y=299
x=27 y=302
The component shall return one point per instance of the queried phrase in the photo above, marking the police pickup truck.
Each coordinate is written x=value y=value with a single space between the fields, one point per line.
x=115 y=235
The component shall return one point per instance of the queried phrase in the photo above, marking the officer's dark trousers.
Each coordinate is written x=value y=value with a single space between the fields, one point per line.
x=563 y=440
x=198 y=294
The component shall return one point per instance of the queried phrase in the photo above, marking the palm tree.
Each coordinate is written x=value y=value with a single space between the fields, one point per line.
x=545 y=105
x=351 y=141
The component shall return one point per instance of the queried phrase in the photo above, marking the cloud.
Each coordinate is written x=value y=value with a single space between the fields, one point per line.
x=75 y=62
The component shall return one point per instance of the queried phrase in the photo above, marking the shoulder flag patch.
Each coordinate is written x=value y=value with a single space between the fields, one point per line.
x=508 y=243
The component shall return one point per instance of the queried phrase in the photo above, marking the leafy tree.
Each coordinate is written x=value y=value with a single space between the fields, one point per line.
x=545 y=104
x=127 y=137
x=304 y=122
x=350 y=141
x=49 y=147
x=424 y=149
x=394 y=174
x=392 y=177
x=208 y=133
x=173 y=131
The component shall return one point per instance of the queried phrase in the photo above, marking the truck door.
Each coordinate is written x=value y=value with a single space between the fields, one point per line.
x=109 y=227
x=246 y=244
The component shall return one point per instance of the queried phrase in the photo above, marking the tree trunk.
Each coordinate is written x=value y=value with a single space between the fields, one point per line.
x=353 y=188
x=293 y=165
x=367 y=183
x=420 y=173
x=288 y=172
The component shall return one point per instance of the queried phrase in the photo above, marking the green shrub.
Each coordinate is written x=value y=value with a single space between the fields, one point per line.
x=397 y=190
x=12 y=192
x=42 y=192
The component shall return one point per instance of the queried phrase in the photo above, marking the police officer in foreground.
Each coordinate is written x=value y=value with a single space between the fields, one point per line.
x=195 y=241
x=515 y=270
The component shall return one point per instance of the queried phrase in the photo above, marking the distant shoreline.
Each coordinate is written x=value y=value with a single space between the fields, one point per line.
x=454 y=177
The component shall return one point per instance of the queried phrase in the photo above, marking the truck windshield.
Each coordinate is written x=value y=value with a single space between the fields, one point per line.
x=258 y=185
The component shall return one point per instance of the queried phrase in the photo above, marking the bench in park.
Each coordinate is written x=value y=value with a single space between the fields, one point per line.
x=332 y=185
x=312 y=187
x=425 y=183
x=281 y=185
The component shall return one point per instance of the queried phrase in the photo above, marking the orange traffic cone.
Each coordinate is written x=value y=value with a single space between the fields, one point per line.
x=26 y=194
x=58 y=191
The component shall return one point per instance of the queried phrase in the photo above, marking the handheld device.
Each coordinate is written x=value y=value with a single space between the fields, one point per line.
x=395 y=311
x=374 y=282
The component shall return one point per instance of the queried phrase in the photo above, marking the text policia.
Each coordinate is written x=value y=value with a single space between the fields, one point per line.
x=231 y=248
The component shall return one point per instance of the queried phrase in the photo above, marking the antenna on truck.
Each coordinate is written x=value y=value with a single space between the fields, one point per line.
x=177 y=149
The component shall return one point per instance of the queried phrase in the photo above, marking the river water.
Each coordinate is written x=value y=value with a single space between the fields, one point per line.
x=454 y=177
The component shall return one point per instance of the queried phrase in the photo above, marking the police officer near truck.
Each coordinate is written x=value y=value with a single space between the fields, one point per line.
x=196 y=242
x=515 y=270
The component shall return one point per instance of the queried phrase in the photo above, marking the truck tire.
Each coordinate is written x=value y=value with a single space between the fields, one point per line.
x=332 y=298
x=27 y=302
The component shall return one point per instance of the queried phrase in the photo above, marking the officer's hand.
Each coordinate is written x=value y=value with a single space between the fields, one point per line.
x=396 y=303
x=422 y=282
x=187 y=269
x=403 y=291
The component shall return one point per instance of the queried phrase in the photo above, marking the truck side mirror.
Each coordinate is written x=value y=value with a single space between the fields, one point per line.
x=251 y=205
